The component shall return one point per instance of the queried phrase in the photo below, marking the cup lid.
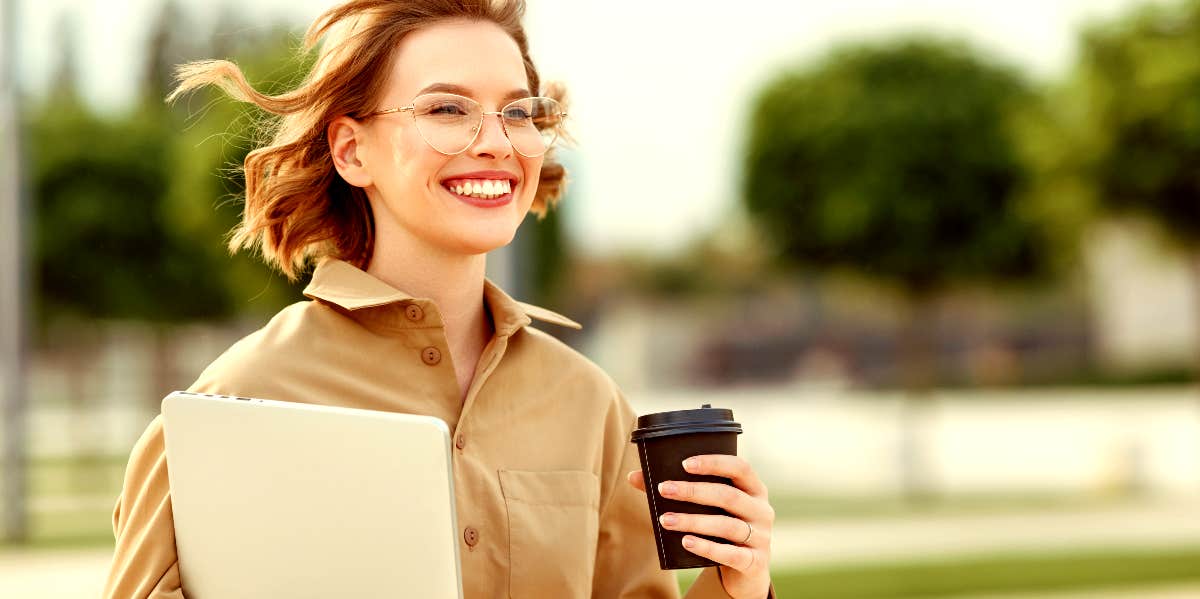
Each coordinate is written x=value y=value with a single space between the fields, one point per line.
x=706 y=419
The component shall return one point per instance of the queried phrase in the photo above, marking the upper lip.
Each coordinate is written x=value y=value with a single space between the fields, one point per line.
x=493 y=175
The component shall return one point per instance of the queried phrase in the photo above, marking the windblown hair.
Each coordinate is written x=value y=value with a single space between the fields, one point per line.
x=298 y=208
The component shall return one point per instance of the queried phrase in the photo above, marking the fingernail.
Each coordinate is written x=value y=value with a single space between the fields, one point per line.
x=667 y=488
x=691 y=464
x=668 y=519
x=689 y=542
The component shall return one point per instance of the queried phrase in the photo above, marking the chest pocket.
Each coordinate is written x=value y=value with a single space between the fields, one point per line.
x=553 y=523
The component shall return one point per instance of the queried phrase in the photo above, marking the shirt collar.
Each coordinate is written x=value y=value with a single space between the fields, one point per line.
x=344 y=285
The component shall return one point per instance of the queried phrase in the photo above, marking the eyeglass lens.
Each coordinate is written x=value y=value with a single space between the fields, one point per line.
x=450 y=122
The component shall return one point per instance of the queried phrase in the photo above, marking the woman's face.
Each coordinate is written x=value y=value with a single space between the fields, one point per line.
x=411 y=182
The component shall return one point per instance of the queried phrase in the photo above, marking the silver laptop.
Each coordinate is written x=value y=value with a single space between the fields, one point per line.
x=281 y=499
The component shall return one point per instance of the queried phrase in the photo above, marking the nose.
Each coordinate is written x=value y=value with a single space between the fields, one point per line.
x=492 y=141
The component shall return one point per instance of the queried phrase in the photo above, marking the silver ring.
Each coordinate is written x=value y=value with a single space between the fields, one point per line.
x=749 y=532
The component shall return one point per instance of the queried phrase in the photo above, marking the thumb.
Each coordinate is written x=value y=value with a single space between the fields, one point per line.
x=635 y=478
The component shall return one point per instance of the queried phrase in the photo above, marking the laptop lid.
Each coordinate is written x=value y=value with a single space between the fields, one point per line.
x=283 y=499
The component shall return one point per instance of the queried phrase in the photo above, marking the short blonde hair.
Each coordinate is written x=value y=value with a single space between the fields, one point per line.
x=297 y=207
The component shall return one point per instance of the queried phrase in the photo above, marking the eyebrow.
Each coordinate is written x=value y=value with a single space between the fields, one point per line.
x=451 y=88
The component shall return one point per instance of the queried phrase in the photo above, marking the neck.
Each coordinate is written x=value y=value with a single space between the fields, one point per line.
x=453 y=281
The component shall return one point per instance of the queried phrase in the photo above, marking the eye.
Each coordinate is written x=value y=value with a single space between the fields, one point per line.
x=447 y=109
x=517 y=113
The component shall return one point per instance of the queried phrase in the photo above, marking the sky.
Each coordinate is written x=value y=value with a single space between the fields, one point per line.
x=638 y=184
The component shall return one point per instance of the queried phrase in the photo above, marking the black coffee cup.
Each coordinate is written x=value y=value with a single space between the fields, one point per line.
x=664 y=441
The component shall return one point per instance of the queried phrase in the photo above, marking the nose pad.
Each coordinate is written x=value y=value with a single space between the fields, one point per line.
x=483 y=141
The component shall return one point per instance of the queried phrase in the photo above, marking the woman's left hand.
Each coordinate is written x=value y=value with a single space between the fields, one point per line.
x=744 y=569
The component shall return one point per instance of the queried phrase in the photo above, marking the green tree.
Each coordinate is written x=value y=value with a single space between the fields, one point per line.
x=211 y=135
x=1139 y=78
x=899 y=161
x=131 y=211
x=103 y=244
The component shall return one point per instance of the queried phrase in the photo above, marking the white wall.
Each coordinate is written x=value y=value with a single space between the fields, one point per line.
x=1143 y=295
x=1055 y=441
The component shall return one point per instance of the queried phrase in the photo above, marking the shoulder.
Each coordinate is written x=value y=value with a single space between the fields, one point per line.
x=277 y=347
x=552 y=364
x=555 y=359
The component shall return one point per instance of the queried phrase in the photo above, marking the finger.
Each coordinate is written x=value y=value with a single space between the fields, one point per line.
x=731 y=499
x=735 y=556
x=732 y=529
x=635 y=479
x=735 y=468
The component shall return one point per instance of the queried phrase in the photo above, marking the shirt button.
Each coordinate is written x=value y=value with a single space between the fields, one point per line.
x=460 y=441
x=414 y=312
x=431 y=355
x=471 y=536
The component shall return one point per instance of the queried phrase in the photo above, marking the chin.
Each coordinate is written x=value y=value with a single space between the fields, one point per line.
x=481 y=242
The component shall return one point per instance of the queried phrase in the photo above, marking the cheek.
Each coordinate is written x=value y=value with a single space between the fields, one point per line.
x=532 y=170
x=413 y=162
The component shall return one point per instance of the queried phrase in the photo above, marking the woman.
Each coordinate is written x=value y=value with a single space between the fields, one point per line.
x=414 y=147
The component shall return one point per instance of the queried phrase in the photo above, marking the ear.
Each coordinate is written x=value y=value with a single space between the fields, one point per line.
x=345 y=137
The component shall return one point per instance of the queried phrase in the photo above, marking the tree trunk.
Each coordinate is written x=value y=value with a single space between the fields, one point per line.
x=81 y=354
x=1195 y=259
x=162 y=374
x=918 y=361
x=1196 y=299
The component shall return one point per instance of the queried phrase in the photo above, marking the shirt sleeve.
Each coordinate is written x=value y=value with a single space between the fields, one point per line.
x=145 y=564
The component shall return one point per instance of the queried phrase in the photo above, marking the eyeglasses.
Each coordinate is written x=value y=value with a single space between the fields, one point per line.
x=449 y=123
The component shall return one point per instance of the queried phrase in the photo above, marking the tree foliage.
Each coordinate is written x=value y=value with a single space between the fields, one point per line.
x=103 y=243
x=1140 y=77
x=898 y=160
x=131 y=210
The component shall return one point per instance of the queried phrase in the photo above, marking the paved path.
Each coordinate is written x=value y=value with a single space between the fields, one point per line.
x=58 y=574
x=1144 y=525
x=45 y=574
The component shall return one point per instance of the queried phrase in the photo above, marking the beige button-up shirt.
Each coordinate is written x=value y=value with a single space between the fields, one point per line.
x=541 y=443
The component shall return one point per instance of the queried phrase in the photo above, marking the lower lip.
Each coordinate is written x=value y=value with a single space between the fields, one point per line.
x=481 y=202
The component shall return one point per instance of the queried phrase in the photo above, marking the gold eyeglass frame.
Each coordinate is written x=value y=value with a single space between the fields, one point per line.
x=411 y=108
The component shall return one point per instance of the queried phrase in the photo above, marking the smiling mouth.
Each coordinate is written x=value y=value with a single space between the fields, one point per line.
x=479 y=189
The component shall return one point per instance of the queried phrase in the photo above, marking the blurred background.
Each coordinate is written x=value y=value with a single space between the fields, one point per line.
x=941 y=258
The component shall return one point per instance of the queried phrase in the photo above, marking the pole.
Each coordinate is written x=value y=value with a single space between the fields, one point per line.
x=12 y=289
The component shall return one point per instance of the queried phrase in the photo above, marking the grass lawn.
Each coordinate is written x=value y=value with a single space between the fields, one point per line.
x=1003 y=573
x=72 y=501
x=80 y=475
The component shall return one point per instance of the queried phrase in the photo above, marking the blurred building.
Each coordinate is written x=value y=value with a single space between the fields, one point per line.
x=1130 y=315
x=1144 y=299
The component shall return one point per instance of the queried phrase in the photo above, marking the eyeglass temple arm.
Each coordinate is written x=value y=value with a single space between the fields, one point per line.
x=391 y=110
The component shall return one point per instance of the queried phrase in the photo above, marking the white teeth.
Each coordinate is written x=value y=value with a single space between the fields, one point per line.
x=488 y=188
